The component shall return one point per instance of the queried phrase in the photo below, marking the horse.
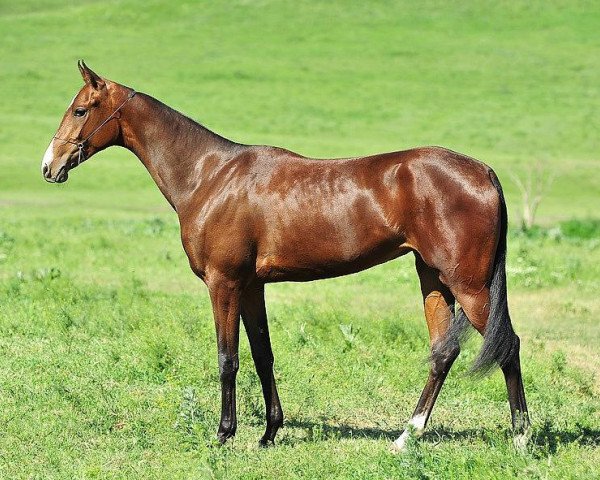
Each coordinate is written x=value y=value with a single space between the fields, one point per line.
x=254 y=214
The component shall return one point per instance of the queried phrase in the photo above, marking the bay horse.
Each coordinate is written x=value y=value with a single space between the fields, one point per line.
x=252 y=215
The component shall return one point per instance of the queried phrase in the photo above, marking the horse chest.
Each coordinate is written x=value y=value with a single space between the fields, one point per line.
x=217 y=247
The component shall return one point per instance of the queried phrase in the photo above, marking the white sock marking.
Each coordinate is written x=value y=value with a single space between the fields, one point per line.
x=416 y=425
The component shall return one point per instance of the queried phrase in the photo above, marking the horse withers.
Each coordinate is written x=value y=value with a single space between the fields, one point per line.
x=251 y=215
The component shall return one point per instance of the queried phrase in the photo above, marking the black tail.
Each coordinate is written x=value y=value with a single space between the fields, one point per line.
x=500 y=343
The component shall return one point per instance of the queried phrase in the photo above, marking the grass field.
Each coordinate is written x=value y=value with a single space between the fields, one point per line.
x=108 y=361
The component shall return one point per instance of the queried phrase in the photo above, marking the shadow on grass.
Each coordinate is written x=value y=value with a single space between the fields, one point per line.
x=546 y=438
x=326 y=430
x=444 y=434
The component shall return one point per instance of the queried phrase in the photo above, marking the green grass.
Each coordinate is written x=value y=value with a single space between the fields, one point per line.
x=108 y=359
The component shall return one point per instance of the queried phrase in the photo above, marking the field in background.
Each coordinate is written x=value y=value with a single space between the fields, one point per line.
x=108 y=360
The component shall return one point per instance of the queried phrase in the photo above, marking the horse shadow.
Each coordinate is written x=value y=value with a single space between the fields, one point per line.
x=329 y=430
x=548 y=437
x=545 y=439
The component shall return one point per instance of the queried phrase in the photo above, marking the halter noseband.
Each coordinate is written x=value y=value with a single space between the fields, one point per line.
x=81 y=145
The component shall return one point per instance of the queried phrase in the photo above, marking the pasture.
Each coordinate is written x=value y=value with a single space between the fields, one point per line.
x=108 y=365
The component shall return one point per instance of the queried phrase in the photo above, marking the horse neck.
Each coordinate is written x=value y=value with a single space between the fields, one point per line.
x=172 y=147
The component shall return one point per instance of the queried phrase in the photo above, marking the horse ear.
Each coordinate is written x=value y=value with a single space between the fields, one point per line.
x=90 y=77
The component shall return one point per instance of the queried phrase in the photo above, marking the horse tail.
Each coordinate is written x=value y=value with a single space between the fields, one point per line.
x=500 y=343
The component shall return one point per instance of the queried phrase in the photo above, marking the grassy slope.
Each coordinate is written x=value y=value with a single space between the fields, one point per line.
x=107 y=369
x=508 y=84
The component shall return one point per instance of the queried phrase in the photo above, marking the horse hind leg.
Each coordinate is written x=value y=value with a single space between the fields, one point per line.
x=516 y=398
x=444 y=332
x=487 y=310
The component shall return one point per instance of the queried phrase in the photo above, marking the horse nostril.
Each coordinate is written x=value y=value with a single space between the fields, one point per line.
x=45 y=170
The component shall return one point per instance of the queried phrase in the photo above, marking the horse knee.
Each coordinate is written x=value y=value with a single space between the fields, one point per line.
x=228 y=366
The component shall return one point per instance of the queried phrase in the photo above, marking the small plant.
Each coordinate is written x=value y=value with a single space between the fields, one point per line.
x=533 y=187
x=43 y=274
x=303 y=337
x=191 y=419
x=188 y=410
x=559 y=362
x=350 y=333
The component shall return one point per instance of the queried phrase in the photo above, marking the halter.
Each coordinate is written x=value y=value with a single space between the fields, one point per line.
x=81 y=145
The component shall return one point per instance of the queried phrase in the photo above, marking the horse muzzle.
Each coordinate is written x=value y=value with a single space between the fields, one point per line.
x=59 y=175
x=52 y=174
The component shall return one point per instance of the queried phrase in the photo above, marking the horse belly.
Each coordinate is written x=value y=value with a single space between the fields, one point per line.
x=326 y=254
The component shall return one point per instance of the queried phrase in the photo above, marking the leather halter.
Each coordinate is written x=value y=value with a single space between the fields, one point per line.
x=81 y=144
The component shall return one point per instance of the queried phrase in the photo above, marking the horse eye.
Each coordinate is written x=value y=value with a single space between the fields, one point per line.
x=80 y=112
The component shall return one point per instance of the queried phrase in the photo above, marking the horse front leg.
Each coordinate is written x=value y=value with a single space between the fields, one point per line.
x=254 y=316
x=225 y=298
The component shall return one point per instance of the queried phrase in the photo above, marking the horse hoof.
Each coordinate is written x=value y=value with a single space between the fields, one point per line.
x=266 y=443
x=400 y=444
x=222 y=437
x=396 y=449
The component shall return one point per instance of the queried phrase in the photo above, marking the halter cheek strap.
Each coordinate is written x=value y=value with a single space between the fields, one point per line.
x=81 y=144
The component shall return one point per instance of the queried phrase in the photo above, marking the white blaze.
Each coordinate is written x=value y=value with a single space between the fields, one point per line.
x=49 y=155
